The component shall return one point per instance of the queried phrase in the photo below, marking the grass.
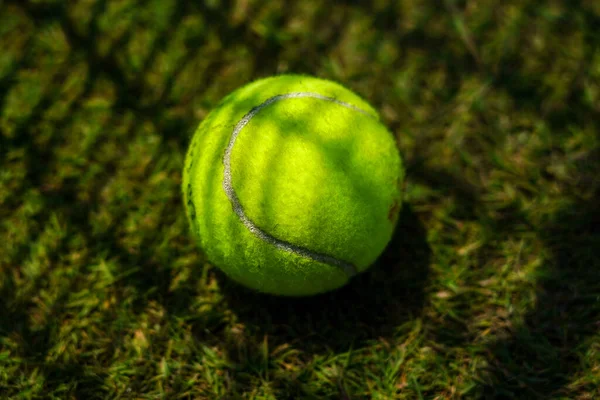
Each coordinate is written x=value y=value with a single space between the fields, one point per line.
x=489 y=289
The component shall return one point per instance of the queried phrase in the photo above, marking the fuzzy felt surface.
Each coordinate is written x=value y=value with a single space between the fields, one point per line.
x=316 y=174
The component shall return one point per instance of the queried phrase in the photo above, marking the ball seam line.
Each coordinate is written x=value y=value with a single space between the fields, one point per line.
x=348 y=268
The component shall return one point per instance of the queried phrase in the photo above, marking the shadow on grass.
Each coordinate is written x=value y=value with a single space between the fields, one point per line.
x=542 y=357
x=543 y=354
x=371 y=306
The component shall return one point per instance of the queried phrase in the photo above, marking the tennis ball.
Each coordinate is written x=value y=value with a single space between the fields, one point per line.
x=291 y=185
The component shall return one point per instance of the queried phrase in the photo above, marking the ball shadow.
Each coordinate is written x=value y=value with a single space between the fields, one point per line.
x=373 y=305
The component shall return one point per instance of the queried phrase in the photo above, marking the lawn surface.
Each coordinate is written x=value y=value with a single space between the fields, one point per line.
x=490 y=287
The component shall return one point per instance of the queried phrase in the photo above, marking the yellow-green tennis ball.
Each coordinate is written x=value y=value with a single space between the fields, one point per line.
x=292 y=185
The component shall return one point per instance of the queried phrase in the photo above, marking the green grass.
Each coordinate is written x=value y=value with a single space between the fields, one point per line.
x=489 y=289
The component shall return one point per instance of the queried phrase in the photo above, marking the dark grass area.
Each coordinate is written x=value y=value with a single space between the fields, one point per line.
x=489 y=289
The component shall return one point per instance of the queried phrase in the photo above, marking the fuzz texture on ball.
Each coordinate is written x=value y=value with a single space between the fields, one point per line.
x=292 y=185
